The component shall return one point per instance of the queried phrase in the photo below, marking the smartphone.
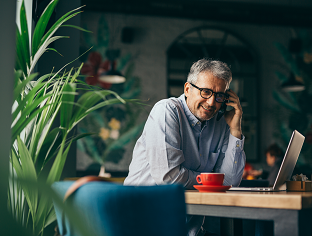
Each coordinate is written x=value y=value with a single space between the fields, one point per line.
x=222 y=110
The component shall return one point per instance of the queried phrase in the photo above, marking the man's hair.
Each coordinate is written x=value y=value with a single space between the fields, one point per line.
x=275 y=150
x=219 y=69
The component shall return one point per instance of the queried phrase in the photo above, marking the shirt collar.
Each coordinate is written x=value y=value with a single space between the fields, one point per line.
x=191 y=118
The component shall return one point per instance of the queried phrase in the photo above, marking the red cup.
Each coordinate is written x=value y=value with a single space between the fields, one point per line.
x=212 y=179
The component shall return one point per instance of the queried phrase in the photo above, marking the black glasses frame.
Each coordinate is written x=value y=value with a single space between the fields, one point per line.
x=226 y=96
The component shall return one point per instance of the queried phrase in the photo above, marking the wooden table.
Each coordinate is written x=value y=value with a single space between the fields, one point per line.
x=291 y=212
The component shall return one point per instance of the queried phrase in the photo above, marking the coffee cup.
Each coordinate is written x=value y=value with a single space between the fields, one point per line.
x=213 y=179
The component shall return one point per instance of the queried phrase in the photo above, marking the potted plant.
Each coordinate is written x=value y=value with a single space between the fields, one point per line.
x=38 y=103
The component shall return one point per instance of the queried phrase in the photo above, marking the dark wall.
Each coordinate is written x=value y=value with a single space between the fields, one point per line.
x=7 y=61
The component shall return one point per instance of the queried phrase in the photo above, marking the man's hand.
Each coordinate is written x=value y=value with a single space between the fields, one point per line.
x=234 y=117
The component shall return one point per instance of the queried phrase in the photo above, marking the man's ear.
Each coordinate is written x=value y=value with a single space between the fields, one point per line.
x=187 y=88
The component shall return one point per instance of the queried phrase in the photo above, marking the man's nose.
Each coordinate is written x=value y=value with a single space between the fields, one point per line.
x=211 y=101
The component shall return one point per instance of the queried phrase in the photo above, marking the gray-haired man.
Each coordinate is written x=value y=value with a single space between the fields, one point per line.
x=182 y=136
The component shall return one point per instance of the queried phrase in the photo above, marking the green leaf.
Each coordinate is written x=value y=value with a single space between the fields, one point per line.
x=42 y=49
x=285 y=102
x=91 y=147
x=86 y=103
x=122 y=62
x=58 y=24
x=50 y=218
x=20 y=126
x=54 y=50
x=285 y=132
x=68 y=99
x=24 y=33
x=49 y=146
x=103 y=33
x=41 y=25
x=58 y=164
x=98 y=106
x=20 y=87
x=45 y=207
x=29 y=172
x=131 y=94
x=21 y=54
x=288 y=58
x=88 y=40
x=16 y=164
x=281 y=76
x=129 y=70
x=124 y=139
x=131 y=82
x=77 y=27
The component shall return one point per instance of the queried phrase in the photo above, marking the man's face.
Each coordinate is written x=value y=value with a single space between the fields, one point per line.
x=204 y=109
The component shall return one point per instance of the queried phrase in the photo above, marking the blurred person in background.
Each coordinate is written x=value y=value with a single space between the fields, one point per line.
x=274 y=158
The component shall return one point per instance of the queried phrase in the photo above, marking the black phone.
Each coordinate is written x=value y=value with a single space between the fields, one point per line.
x=222 y=110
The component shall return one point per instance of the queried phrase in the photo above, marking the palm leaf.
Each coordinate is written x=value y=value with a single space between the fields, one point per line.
x=20 y=53
x=49 y=145
x=19 y=127
x=86 y=103
x=66 y=109
x=24 y=34
x=91 y=147
x=41 y=25
x=285 y=101
x=28 y=172
x=20 y=87
x=58 y=24
x=124 y=139
x=103 y=34
x=132 y=93
x=288 y=58
x=42 y=49
x=77 y=27
x=58 y=165
x=122 y=62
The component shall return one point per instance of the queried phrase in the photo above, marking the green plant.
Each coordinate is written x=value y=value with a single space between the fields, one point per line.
x=294 y=110
x=38 y=103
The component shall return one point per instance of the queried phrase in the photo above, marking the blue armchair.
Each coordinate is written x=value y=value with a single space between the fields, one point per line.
x=116 y=210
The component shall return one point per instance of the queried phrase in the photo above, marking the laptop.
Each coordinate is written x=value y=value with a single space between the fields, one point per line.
x=286 y=168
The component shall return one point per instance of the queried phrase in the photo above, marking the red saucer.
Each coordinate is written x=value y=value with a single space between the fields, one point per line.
x=209 y=188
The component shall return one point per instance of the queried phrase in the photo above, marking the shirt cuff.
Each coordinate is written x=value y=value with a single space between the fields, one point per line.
x=235 y=143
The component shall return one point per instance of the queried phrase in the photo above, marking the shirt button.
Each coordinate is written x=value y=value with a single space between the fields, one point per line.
x=235 y=162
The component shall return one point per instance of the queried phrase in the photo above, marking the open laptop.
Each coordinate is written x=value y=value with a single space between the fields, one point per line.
x=286 y=168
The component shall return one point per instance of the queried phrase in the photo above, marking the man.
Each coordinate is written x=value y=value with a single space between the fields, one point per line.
x=183 y=138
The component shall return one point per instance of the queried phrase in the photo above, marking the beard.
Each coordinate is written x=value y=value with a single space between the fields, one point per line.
x=205 y=112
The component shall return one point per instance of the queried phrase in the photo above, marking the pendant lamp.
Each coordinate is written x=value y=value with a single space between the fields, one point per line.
x=292 y=85
x=112 y=76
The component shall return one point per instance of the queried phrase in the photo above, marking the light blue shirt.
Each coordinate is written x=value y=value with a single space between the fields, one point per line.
x=175 y=148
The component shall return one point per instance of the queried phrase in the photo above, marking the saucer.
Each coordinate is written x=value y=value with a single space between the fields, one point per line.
x=210 y=188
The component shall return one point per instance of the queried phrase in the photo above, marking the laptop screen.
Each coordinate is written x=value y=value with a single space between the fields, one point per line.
x=290 y=159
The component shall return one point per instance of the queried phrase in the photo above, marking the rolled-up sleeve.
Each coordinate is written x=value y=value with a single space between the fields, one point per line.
x=232 y=159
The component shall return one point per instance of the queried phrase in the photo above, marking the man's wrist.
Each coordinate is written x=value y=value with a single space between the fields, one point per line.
x=237 y=133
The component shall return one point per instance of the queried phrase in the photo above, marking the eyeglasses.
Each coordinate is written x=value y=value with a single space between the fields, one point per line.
x=207 y=93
